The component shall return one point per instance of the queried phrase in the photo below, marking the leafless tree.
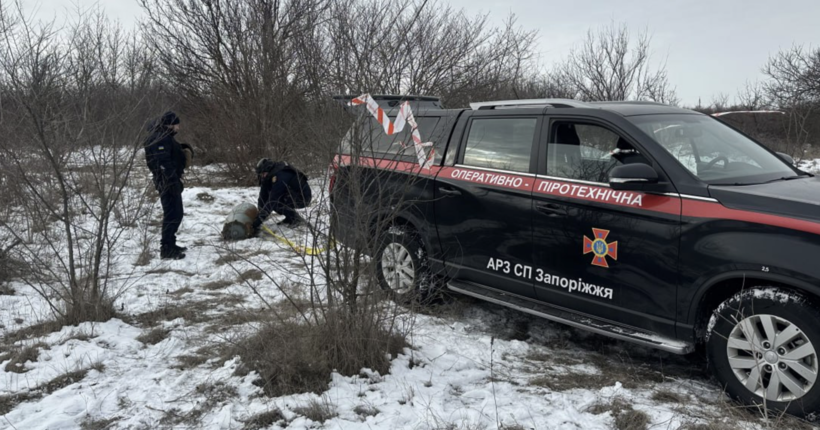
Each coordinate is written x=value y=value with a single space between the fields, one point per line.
x=794 y=87
x=236 y=68
x=752 y=97
x=423 y=47
x=610 y=65
x=794 y=75
x=255 y=76
x=75 y=125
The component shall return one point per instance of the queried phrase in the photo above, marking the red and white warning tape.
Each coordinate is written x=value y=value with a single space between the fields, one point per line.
x=405 y=116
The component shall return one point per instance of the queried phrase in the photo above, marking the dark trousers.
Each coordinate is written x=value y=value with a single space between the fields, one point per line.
x=282 y=200
x=171 y=199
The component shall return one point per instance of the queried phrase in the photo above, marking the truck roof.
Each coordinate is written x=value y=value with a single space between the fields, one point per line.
x=431 y=106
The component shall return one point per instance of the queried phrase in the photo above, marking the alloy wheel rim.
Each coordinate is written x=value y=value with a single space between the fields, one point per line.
x=772 y=358
x=398 y=268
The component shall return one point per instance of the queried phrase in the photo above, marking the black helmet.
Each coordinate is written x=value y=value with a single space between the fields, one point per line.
x=264 y=165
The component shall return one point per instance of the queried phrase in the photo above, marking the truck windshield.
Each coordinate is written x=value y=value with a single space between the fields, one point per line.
x=712 y=151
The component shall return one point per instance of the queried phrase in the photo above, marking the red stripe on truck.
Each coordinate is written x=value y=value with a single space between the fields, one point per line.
x=697 y=209
x=592 y=193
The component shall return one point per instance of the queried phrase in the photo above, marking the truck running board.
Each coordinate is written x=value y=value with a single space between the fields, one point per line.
x=565 y=317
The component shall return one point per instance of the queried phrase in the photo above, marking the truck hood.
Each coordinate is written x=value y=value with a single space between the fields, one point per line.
x=798 y=198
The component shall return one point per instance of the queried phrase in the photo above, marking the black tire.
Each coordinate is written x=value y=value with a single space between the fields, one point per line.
x=404 y=244
x=766 y=327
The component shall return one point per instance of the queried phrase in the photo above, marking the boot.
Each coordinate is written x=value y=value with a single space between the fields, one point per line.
x=171 y=253
x=296 y=221
x=180 y=248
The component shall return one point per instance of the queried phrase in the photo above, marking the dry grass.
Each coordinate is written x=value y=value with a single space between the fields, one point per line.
x=214 y=393
x=264 y=420
x=251 y=275
x=81 y=336
x=230 y=257
x=295 y=357
x=167 y=270
x=626 y=418
x=205 y=197
x=145 y=256
x=180 y=292
x=461 y=426
x=65 y=380
x=185 y=362
x=666 y=396
x=192 y=312
x=217 y=285
x=234 y=317
x=32 y=331
x=98 y=424
x=20 y=356
x=728 y=415
x=154 y=336
x=6 y=290
x=317 y=410
x=9 y=402
x=366 y=411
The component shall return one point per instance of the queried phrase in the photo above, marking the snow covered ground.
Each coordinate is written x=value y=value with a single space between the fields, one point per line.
x=471 y=365
x=811 y=166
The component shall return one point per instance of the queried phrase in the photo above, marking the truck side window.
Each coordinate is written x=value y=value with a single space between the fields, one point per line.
x=500 y=143
x=587 y=152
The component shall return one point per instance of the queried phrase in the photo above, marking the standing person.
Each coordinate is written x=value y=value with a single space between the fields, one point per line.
x=283 y=189
x=167 y=159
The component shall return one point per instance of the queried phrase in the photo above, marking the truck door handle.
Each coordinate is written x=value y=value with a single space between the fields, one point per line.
x=449 y=191
x=551 y=209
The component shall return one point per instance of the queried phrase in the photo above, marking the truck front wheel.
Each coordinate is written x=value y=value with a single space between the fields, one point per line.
x=401 y=263
x=762 y=345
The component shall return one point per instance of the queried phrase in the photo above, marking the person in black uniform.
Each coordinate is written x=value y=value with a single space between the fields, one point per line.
x=283 y=189
x=167 y=159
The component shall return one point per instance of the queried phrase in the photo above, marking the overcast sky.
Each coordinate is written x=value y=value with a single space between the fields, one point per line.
x=709 y=46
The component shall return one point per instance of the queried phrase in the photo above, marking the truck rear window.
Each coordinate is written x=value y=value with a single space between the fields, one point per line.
x=370 y=138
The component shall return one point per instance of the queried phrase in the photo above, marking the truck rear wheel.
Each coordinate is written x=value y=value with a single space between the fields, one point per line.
x=401 y=263
x=762 y=346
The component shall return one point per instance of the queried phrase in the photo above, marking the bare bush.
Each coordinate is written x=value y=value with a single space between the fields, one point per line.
x=794 y=87
x=423 y=47
x=235 y=65
x=255 y=76
x=783 y=111
x=610 y=65
x=73 y=100
x=298 y=356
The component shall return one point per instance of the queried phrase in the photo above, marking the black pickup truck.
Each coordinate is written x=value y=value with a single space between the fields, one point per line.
x=640 y=221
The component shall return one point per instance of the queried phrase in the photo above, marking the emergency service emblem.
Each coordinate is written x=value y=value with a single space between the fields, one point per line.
x=600 y=247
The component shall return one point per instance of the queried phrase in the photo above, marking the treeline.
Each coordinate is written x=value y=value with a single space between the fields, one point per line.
x=783 y=109
x=254 y=78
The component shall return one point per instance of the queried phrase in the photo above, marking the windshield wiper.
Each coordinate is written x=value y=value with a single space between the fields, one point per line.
x=788 y=178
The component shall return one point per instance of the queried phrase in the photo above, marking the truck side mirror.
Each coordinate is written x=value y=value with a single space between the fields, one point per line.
x=786 y=157
x=632 y=177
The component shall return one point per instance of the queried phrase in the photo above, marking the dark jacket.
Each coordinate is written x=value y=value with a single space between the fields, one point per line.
x=165 y=158
x=290 y=184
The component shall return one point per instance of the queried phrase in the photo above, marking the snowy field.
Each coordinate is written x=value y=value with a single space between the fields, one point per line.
x=811 y=166
x=471 y=365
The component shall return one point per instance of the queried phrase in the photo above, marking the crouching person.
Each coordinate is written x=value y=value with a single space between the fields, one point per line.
x=283 y=190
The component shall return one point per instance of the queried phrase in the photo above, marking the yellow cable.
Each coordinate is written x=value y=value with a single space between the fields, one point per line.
x=295 y=247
